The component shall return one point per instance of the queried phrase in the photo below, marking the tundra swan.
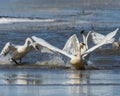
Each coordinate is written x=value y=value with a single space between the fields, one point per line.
x=72 y=47
x=97 y=37
x=77 y=59
x=17 y=51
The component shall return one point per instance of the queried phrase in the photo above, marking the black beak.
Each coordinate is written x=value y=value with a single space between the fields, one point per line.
x=82 y=32
x=83 y=43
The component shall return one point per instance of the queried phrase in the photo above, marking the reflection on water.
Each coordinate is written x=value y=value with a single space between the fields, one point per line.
x=70 y=80
x=78 y=78
x=44 y=78
x=65 y=82
x=24 y=79
x=59 y=82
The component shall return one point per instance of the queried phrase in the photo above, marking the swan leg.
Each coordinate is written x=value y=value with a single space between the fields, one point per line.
x=15 y=61
x=20 y=61
x=11 y=59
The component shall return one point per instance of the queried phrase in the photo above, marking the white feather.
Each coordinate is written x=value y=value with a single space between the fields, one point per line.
x=45 y=44
x=72 y=45
x=97 y=37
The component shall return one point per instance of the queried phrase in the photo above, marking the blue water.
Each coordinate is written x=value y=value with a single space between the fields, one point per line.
x=52 y=75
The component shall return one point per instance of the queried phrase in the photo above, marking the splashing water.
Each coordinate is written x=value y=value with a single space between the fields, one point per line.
x=4 y=60
x=55 y=61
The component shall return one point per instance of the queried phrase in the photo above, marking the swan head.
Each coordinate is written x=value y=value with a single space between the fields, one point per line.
x=35 y=46
x=82 y=44
x=82 y=32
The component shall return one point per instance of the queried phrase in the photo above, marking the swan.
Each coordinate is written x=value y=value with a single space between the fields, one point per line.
x=97 y=37
x=71 y=47
x=77 y=59
x=17 y=51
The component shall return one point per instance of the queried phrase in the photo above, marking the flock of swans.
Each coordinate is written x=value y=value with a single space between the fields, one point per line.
x=78 y=52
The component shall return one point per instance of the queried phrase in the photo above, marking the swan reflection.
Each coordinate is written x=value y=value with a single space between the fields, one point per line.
x=79 y=81
x=23 y=79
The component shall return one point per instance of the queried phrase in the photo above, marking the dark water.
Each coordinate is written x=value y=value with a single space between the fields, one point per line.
x=55 y=21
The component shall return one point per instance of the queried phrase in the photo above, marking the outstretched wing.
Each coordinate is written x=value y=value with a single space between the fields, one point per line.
x=45 y=44
x=97 y=37
x=72 y=45
x=7 y=48
x=109 y=36
x=107 y=39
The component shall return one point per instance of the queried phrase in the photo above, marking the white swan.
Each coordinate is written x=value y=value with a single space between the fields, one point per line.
x=97 y=37
x=77 y=59
x=18 y=52
x=71 y=47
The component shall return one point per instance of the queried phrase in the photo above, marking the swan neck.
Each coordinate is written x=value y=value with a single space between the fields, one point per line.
x=79 y=52
x=84 y=41
x=28 y=41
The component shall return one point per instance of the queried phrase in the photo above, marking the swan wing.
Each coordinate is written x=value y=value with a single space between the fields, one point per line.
x=72 y=45
x=92 y=49
x=97 y=37
x=112 y=34
x=45 y=44
x=86 y=53
x=7 y=48
x=107 y=39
